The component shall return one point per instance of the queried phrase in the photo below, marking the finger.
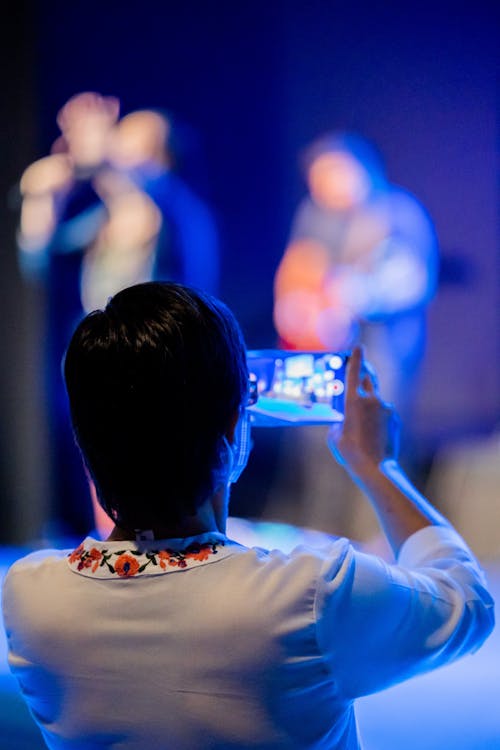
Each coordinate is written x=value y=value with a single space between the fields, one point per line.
x=368 y=384
x=353 y=371
x=369 y=380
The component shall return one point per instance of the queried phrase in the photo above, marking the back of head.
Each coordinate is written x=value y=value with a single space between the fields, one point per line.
x=154 y=381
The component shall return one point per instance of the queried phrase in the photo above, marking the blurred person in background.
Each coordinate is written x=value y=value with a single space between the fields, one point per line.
x=145 y=148
x=360 y=267
x=61 y=216
x=101 y=212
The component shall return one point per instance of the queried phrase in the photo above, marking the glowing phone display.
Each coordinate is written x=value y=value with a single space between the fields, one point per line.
x=296 y=388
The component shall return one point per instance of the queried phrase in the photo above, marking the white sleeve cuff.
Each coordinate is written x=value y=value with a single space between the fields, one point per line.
x=431 y=543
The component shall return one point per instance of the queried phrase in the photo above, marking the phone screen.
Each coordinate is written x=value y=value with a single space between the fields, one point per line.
x=296 y=388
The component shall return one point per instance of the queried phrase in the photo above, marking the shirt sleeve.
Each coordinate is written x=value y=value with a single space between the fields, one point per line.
x=378 y=624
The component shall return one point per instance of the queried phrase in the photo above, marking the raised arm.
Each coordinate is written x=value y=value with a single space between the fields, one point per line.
x=366 y=445
x=433 y=606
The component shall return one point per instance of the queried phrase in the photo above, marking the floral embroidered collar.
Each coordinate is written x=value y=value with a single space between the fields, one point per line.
x=97 y=559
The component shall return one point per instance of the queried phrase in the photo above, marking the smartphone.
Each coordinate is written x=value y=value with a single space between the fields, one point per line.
x=296 y=387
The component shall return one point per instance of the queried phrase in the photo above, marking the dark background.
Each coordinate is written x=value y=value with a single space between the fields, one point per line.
x=257 y=81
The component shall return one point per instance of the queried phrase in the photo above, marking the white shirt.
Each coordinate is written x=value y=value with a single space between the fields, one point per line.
x=155 y=646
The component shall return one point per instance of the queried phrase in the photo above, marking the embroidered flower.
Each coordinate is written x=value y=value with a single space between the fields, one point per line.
x=126 y=566
x=203 y=553
x=127 y=563
x=164 y=558
x=76 y=554
x=95 y=557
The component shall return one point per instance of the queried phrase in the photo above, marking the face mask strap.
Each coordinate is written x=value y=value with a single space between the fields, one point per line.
x=240 y=451
x=234 y=458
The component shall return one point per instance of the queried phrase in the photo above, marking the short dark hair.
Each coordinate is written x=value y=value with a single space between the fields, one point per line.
x=154 y=381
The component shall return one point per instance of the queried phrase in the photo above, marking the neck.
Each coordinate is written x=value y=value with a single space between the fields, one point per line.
x=210 y=516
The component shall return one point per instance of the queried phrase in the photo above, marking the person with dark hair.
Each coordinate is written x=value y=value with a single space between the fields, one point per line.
x=142 y=419
x=169 y=634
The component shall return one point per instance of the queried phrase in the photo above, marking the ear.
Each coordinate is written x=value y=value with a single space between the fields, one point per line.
x=232 y=426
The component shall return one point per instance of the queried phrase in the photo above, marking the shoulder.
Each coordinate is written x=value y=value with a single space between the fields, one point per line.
x=28 y=576
x=404 y=206
x=298 y=572
x=305 y=210
x=34 y=560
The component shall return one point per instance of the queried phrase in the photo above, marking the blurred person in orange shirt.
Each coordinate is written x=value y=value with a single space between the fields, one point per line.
x=360 y=267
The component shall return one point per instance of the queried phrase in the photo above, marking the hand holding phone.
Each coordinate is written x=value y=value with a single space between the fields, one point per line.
x=369 y=434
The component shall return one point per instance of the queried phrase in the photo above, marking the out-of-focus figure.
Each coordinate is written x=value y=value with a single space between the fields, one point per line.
x=360 y=267
x=142 y=151
x=61 y=216
x=103 y=211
